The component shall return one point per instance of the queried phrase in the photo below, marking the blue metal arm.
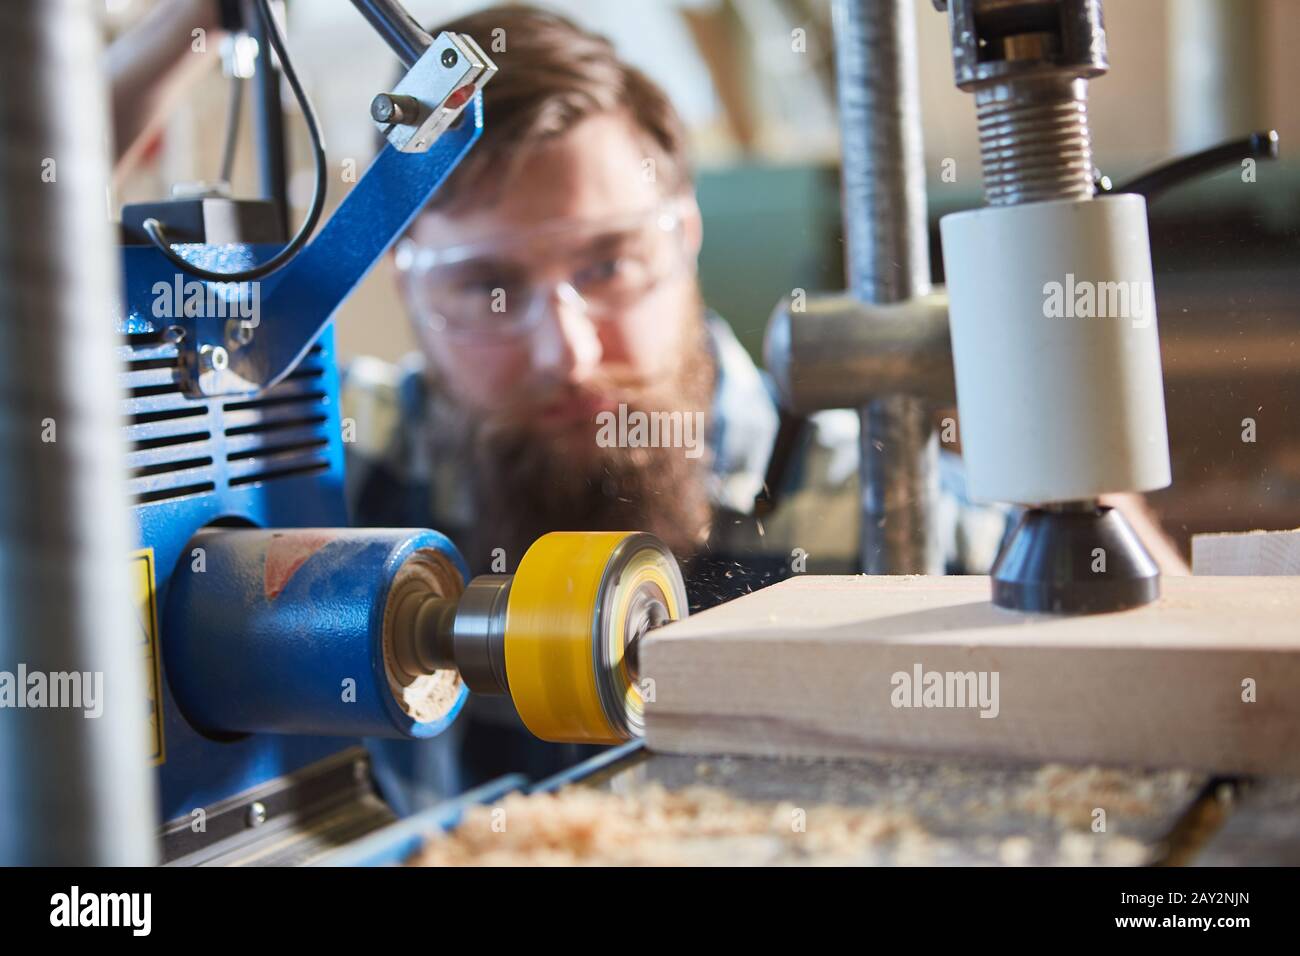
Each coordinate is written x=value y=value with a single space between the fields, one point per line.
x=245 y=336
x=299 y=301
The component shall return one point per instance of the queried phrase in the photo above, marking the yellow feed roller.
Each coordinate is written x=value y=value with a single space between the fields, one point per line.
x=559 y=636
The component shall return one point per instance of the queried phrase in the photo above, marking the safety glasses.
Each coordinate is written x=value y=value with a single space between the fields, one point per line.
x=501 y=288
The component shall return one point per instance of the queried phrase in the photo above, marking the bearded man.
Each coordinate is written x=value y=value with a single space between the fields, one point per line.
x=552 y=286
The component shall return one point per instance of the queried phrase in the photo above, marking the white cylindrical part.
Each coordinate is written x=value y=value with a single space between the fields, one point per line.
x=1056 y=351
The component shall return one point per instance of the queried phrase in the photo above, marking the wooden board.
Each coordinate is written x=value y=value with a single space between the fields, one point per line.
x=1252 y=552
x=821 y=666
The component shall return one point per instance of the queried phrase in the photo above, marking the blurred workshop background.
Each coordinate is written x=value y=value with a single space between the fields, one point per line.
x=754 y=81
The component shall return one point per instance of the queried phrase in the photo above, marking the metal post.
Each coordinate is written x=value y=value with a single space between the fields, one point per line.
x=75 y=787
x=887 y=260
x=268 y=118
x=398 y=28
x=1216 y=83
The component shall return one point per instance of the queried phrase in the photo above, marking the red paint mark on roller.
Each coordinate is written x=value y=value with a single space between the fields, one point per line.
x=287 y=553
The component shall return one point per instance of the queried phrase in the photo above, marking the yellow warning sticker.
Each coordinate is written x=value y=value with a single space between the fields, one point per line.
x=146 y=615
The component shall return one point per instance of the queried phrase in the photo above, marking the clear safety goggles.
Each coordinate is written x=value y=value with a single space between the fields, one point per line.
x=502 y=287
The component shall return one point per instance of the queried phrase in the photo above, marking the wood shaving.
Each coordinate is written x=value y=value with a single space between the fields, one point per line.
x=430 y=697
x=1071 y=795
x=696 y=826
x=703 y=825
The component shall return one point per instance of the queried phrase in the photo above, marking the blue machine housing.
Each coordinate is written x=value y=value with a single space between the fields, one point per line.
x=274 y=460
x=283 y=630
x=270 y=458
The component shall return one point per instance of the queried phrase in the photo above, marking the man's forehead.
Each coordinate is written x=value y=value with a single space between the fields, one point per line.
x=599 y=169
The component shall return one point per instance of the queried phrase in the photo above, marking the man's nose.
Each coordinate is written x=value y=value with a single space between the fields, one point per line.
x=567 y=340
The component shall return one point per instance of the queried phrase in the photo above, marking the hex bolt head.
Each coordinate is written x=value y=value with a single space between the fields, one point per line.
x=239 y=332
x=213 y=358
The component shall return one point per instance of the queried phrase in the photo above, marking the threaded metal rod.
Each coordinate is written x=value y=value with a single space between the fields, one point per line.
x=882 y=161
x=887 y=259
x=1034 y=140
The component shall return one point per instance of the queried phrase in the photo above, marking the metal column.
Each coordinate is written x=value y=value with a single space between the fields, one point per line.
x=1217 y=88
x=887 y=260
x=74 y=788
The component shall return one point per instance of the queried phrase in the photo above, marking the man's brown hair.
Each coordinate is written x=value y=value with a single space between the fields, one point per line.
x=551 y=75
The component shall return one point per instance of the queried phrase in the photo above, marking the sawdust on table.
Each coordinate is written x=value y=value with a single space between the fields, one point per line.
x=657 y=827
x=1072 y=795
x=704 y=825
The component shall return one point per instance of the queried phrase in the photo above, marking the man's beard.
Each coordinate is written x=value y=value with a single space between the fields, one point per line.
x=529 y=481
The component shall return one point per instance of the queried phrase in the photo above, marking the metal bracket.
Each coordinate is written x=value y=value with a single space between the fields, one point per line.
x=431 y=95
x=282 y=316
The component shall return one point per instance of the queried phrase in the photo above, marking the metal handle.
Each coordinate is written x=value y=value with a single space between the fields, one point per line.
x=398 y=28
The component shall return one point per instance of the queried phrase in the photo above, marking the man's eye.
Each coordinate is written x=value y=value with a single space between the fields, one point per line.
x=608 y=271
x=600 y=271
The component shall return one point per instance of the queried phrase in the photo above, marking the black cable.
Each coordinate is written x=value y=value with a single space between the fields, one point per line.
x=1260 y=145
x=233 y=112
x=154 y=229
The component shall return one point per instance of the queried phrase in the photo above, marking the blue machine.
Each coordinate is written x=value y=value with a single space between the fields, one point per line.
x=232 y=421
